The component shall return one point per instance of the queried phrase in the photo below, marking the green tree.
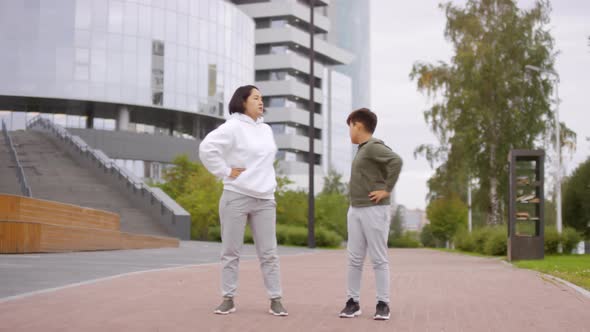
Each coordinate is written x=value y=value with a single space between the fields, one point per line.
x=177 y=178
x=333 y=183
x=197 y=191
x=576 y=199
x=331 y=211
x=446 y=215
x=332 y=204
x=292 y=207
x=484 y=102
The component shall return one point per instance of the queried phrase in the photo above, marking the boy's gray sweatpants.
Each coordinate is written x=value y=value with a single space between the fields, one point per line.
x=235 y=210
x=368 y=230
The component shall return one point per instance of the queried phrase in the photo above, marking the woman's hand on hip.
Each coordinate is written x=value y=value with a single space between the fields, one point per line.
x=235 y=172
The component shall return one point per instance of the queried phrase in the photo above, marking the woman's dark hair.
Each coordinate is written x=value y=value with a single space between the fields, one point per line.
x=236 y=103
x=364 y=116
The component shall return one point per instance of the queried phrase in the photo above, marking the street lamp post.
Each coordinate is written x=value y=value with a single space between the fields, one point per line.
x=311 y=132
x=469 y=220
x=558 y=142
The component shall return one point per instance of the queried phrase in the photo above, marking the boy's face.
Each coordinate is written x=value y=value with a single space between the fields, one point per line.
x=355 y=129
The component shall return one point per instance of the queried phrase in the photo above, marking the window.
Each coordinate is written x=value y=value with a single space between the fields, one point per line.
x=278 y=128
x=157 y=72
x=279 y=49
x=156 y=171
x=212 y=80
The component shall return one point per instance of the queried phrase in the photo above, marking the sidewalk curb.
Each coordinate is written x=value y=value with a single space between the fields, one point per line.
x=576 y=288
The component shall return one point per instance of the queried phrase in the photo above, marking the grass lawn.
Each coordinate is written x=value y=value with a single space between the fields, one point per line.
x=573 y=268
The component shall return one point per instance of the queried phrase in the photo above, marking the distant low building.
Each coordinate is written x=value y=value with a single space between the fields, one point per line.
x=414 y=219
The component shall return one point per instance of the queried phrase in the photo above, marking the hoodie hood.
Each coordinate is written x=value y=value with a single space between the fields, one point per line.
x=247 y=119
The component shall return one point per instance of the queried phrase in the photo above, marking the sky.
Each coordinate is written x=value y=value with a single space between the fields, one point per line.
x=403 y=32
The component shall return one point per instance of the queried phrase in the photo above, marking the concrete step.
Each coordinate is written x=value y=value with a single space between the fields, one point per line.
x=53 y=175
x=8 y=178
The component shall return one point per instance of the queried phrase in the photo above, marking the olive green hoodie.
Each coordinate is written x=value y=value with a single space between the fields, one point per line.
x=375 y=167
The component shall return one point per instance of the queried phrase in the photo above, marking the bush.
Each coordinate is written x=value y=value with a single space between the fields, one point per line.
x=297 y=236
x=493 y=240
x=426 y=237
x=570 y=239
x=293 y=235
x=496 y=242
x=409 y=239
x=288 y=235
x=327 y=238
x=551 y=240
x=463 y=240
x=214 y=233
x=480 y=236
x=485 y=240
x=404 y=241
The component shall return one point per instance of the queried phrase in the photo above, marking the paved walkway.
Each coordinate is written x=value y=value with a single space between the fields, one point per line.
x=431 y=291
x=29 y=273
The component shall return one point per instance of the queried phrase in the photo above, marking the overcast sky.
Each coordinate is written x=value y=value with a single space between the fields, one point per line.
x=403 y=32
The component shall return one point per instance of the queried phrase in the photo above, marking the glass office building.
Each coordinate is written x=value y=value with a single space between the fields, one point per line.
x=115 y=70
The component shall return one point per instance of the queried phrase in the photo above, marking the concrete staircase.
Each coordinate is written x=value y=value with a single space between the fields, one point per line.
x=53 y=175
x=8 y=180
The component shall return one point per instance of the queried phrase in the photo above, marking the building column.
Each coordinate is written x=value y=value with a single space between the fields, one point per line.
x=89 y=115
x=123 y=119
x=196 y=131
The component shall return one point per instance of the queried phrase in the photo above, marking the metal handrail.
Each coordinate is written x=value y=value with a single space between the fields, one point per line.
x=96 y=155
x=20 y=172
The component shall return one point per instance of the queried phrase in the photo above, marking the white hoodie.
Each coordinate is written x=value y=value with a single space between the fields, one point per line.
x=242 y=142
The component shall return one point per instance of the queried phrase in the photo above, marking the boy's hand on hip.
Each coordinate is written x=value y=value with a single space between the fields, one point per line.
x=378 y=195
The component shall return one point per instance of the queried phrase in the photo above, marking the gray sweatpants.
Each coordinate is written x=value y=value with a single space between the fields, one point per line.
x=234 y=211
x=368 y=230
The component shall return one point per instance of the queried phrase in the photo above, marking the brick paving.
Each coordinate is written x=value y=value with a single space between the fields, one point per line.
x=431 y=291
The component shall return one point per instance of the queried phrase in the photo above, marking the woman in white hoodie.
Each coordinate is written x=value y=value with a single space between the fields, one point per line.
x=242 y=152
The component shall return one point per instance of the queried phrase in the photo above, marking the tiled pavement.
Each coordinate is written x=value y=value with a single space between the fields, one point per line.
x=431 y=291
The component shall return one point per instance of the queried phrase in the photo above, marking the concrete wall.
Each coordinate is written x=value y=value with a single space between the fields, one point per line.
x=137 y=146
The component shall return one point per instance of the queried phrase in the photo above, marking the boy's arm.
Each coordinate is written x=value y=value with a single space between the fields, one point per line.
x=392 y=164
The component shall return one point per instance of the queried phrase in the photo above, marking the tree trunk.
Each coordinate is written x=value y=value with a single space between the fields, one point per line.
x=494 y=207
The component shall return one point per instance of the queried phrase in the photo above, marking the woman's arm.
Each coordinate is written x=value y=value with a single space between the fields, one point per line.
x=212 y=149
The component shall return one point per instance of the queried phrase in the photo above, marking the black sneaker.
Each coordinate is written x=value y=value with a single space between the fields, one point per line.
x=382 y=312
x=351 y=310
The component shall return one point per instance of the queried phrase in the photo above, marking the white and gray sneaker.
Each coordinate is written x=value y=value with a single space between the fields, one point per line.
x=226 y=307
x=382 y=311
x=276 y=308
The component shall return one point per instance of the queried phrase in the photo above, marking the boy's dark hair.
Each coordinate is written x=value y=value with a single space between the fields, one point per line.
x=364 y=116
x=236 y=103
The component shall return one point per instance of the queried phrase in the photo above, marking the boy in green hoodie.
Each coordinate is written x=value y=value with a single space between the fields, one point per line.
x=375 y=170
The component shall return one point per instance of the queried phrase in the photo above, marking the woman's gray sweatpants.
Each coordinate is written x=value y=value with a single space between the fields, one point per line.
x=235 y=210
x=368 y=230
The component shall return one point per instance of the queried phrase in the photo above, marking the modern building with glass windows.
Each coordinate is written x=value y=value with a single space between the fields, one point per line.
x=142 y=80
x=338 y=105
x=351 y=30
x=282 y=74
